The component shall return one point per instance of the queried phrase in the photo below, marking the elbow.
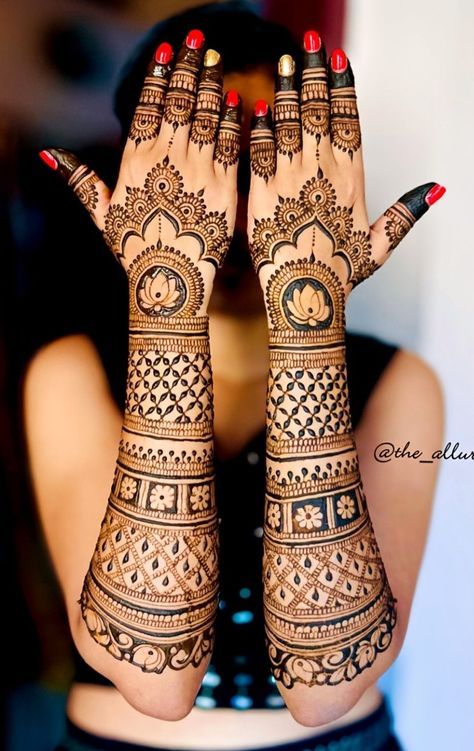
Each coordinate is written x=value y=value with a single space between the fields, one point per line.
x=161 y=696
x=160 y=704
x=329 y=708
x=320 y=705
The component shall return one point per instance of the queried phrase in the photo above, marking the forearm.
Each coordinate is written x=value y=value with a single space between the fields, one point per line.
x=328 y=606
x=150 y=594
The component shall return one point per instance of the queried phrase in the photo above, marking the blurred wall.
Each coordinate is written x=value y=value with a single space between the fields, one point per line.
x=415 y=70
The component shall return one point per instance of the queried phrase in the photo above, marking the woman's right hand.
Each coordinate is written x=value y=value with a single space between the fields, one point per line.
x=171 y=215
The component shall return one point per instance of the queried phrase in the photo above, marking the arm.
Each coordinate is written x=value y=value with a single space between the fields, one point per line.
x=149 y=596
x=330 y=614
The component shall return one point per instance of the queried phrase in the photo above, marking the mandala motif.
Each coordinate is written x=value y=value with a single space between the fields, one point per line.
x=305 y=296
x=163 y=193
x=307 y=304
x=166 y=283
x=228 y=144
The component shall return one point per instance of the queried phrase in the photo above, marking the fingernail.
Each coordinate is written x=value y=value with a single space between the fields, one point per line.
x=339 y=61
x=433 y=195
x=232 y=98
x=261 y=108
x=211 y=58
x=286 y=66
x=49 y=159
x=195 y=39
x=163 y=53
x=312 y=41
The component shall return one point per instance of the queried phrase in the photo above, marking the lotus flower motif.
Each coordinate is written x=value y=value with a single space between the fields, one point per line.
x=158 y=292
x=308 y=306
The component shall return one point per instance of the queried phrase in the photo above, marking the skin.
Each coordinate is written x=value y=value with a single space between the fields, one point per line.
x=72 y=424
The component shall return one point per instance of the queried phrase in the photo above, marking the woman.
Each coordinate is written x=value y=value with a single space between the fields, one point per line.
x=148 y=619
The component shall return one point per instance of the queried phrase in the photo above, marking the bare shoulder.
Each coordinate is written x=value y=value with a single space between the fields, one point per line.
x=72 y=429
x=405 y=416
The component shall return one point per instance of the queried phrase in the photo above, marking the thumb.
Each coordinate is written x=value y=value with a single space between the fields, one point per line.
x=397 y=221
x=92 y=192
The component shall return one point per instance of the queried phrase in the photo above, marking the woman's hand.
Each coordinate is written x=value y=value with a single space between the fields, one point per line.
x=150 y=595
x=330 y=615
x=307 y=208
x=171 y=215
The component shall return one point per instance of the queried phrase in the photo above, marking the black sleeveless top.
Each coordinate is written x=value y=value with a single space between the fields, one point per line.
x=239 y=675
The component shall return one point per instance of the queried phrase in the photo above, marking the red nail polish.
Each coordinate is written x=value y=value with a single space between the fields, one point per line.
x=163 y=53
x=232 y=98
x=195 y=39
x=339 y=61
x=434 y=194
x=261 y=108
x=312 y=41
x=48 y=159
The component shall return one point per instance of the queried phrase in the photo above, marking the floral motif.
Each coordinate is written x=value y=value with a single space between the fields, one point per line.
x=308 y=306
x=309 y=517
x=158 y=291
x=128 y=488
x=273 y=515
x=199 y=497
x=345 y=507
x=365 y=655
x=161 y=497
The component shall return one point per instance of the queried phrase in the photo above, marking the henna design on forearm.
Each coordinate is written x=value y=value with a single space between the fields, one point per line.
x=345 y=125
x=329 y=610
x=287 y=110
x=150 y=595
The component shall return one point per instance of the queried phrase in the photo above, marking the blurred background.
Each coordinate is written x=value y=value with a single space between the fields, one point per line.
x=59 y=64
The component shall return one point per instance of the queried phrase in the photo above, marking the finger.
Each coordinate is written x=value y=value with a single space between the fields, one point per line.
x=287 y=113
x=262 y=143
x=92 y=192
x=226 y=154
x=344 y=119
x=208 y=104
x=181 y=96
x=149 y=111
x=397 y=221
x=315 y=98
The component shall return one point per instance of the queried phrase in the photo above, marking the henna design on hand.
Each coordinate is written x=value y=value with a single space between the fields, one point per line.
x=184 y=81
x=151 y=592
x=262 y=143
x=287 y=110
x=148 y=114
x=405 y=212
x=315 y=207
x=314 y=89
x=228 y=140
x=163 y=198
x=345 y=126
x=209 y=101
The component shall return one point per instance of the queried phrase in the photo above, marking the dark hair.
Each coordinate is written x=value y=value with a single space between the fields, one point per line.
x=243 y=38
